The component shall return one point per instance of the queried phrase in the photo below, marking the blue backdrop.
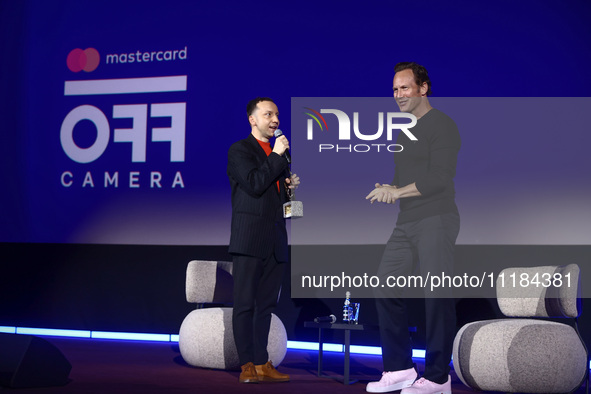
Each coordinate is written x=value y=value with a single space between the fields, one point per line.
x=175 y=191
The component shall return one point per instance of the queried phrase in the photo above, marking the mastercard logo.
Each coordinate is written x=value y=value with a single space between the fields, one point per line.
x=83 y=60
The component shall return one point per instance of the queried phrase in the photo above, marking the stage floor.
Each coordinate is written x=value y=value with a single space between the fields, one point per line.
x=108 y=366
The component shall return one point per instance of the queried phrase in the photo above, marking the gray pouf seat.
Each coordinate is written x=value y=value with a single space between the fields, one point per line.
x=525 y=355
x=206 y=337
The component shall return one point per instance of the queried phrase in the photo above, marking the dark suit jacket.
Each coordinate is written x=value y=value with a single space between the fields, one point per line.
x=258 y=226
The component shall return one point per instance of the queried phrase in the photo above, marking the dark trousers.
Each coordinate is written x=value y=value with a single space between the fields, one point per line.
x=256 y=289
x=431 y=243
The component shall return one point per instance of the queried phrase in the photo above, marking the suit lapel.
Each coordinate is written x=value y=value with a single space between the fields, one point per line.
x=257 y=148
x=260 y=152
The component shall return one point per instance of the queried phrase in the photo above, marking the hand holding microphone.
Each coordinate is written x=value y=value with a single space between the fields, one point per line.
x=281 y=146
x=292 y=208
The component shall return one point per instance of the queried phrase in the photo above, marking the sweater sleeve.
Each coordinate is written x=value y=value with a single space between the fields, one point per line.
x=395 y=181
x=444 y=145
x=254 y=178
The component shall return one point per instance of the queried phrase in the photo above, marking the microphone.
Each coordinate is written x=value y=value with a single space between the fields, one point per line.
x=325 y=319
x=279 y=133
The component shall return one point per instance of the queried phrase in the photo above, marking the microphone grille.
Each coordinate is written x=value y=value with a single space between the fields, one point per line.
x=278 y=133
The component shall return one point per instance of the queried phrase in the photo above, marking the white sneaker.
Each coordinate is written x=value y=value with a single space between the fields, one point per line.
x=424 y=386
x=393 y=381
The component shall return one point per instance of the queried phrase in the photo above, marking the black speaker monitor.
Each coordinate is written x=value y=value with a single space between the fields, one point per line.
x=29 y=361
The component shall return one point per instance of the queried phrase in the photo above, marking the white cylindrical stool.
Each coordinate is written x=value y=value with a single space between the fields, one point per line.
x=519 y=356
x=206 y=339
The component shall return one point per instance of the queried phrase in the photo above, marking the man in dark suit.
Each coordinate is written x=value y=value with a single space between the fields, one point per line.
x=259 y=177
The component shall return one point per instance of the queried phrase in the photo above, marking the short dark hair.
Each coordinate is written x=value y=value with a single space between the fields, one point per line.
x=420 y=73
x=252 y=104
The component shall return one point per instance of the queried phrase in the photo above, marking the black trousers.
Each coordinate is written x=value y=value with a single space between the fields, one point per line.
x=256 y=289
x=430 y=242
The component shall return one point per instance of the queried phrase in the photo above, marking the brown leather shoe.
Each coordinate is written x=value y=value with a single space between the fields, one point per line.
x=268 y=373
x=248 y=374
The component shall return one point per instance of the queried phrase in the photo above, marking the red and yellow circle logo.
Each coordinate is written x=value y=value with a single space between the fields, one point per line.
x=83 y=60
